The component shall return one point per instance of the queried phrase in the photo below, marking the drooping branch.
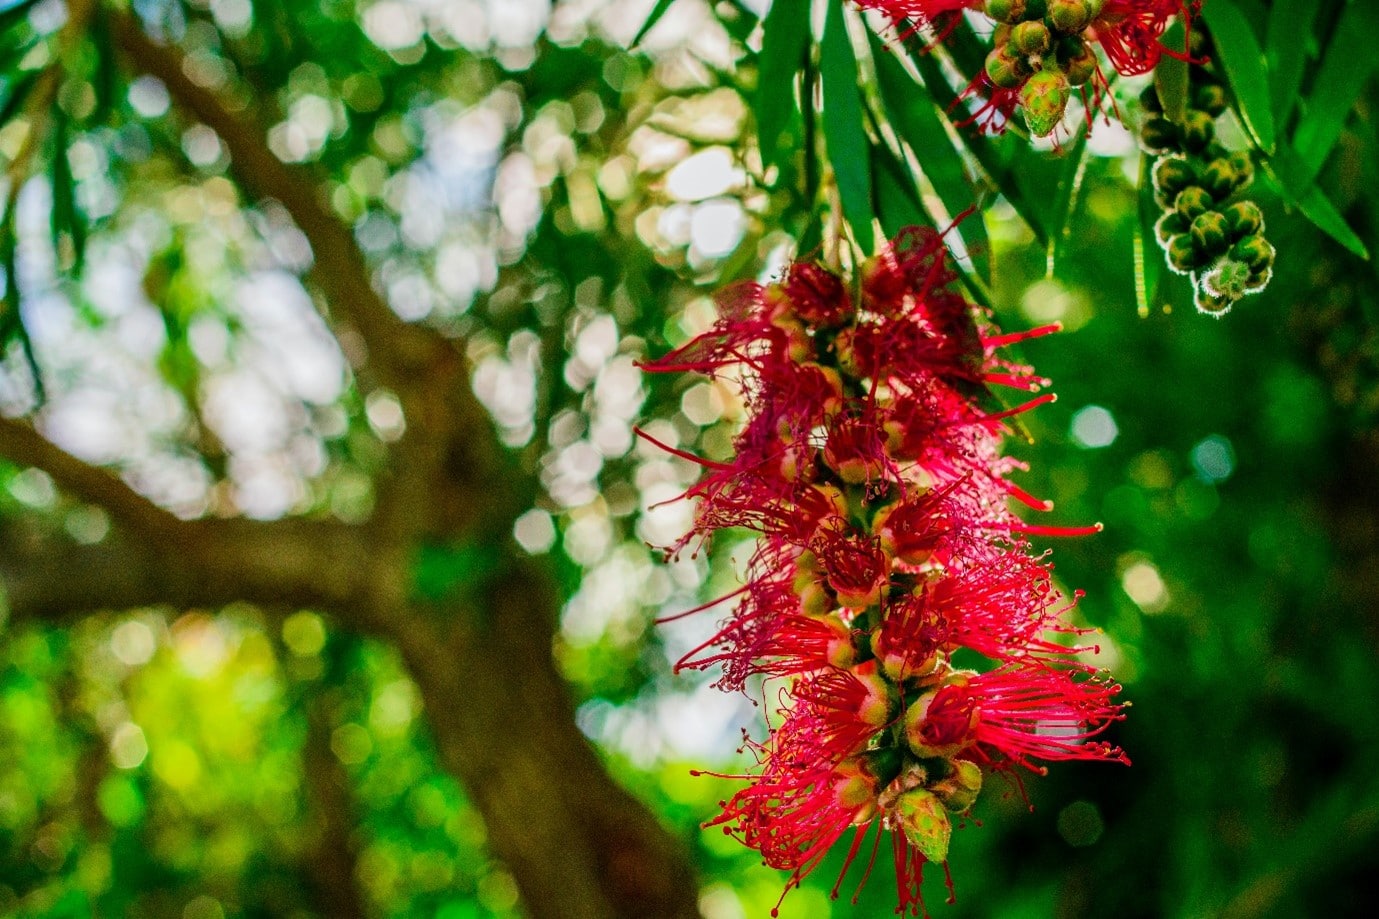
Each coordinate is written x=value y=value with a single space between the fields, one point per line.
x=21 y=443
x=445 y=464
x=395 y=347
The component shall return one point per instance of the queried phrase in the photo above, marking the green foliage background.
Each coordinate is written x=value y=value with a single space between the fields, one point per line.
x=1236 y=582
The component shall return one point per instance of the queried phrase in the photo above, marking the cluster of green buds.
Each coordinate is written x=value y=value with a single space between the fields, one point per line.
x=1040 y=50
x=1207 y=232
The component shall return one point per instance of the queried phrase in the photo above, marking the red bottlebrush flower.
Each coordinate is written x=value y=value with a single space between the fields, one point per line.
x=1129 y=31
x=870 y=464
x=1029 y=712
x=923 y=12
x=815 y=295
x=854 y=566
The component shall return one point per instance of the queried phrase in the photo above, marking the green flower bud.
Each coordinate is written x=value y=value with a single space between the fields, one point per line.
x=1211 y=304
x=1077 y=59
x=1182 y=254
x=1259 y=280
x=1255 y=251
x=1225 y=279
x=1209 y=231
x=1003 y=70
x=1043 y=99
x=1069 y=15
x=1006 y=10
x=959 y=790
x=1244 y=169
x=925 y=823
x=1030 y=37
x=1170 y=225
x=1197 y=130
x=1218 y=177
x=1210 y=98
x=1149 y=100
x=1094 y=7
x=1172 y=174
x=1159 y=135
x=1244 y=218
x=1192 y=201
x=1199 y=44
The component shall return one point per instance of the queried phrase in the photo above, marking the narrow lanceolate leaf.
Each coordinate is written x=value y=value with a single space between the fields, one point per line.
x=1299 y=189
x=1007 y=160
x=1240 y=57
x=1066 y=198
x=897 y=201
x=1346 y=66
x=1170 y=76
x=911 y=112
x=784 y=44
x=654 y=17
x=845 y=135
x=15 y=92
x=1290 y=21
x=1149 y=258
x=11 y=13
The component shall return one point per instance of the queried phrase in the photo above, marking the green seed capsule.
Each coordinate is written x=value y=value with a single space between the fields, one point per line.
x=1069 y=15
x=1197 y=130
x=1192 y=201
x=1172 y=174
x=1159 y=135
x=1209 y=233
x=1030 y=37
x=1182 y=255
x=1244 y=218
x=1210 y=98
x=1218 y=177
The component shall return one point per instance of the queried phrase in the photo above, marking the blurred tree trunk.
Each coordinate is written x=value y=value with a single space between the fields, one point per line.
x=578 y=845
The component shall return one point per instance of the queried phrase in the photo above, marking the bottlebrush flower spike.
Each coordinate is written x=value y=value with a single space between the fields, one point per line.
x=870 y=466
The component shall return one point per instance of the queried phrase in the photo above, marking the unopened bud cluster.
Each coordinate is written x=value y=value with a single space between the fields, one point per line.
x=1207 y=230
x=870 y=467
x=1043 y=49
x=1039 y=50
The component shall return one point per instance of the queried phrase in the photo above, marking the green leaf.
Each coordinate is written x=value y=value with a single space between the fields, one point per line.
x=784 y=45
x=66 y=218
x=1065 y=201
x=845 y=135
x=1171 y=75
x=1346 y=66
x=1298 y=188
x=1149 y=258
x=1013 y=168
x=1243 y=63
x=897 y=202
x=13 y=13
x=1290 y=21
x=911 y=112
x=654 y=17
x=18 y=91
